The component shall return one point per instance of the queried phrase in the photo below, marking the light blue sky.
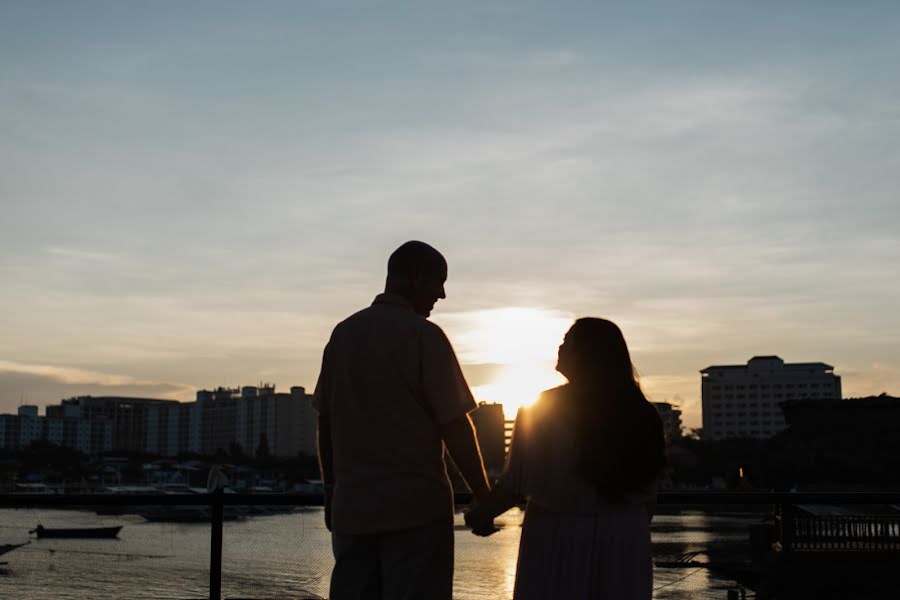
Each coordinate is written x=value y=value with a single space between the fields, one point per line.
x=194 y=193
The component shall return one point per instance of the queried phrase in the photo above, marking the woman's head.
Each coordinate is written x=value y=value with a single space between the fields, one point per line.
x=619 y=433
x=594 y=351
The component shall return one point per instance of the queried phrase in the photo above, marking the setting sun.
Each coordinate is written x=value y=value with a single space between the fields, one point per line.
x=518 y=386
x=521 y=343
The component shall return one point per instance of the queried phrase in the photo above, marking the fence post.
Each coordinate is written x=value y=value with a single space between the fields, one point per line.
x=787 y=526
x=215 y=546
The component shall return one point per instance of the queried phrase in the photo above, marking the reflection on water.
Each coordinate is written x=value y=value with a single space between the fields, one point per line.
x=283 y=555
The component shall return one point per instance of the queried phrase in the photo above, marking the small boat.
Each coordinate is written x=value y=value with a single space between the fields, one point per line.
x=77 y=532
x=4 y=548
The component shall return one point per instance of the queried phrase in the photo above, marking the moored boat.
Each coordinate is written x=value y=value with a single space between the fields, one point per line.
x=76 y=532
x=4 y=548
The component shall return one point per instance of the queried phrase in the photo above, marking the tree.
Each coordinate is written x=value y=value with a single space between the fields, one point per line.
x=47 y=457
x=236 y=451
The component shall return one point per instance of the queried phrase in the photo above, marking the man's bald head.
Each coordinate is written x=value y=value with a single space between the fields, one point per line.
x=417 y=272
x=413 y=258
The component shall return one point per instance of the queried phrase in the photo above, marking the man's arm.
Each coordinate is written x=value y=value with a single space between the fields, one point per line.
x=320 y=402
x=459 y=435
x=325 y=464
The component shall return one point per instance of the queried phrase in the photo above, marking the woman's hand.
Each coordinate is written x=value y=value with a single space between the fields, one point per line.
x=480 y=521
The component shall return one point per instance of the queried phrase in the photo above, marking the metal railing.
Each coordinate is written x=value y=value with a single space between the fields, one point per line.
x=794 y=532
x=838 y=533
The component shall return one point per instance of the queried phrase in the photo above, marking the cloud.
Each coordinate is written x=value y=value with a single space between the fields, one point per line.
x=676 y=388
x=481 y=373
x=48 y=383
x=556 y=58
x=78 y=255
x=715 y=213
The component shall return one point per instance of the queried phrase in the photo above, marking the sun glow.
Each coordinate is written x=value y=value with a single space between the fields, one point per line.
x=518 y=386
x=520 y=343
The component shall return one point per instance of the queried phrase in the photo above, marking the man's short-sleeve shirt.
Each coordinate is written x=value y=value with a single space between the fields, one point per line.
x=389 y=380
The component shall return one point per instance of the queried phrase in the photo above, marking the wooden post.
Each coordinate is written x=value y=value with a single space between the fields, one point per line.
x=215 y=547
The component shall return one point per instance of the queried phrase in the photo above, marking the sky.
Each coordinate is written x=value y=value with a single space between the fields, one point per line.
x=194 y=194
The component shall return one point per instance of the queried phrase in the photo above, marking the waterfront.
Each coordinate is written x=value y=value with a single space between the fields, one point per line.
x=280 y=556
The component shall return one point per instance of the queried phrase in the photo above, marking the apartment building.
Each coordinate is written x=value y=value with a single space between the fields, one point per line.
x=744 y=401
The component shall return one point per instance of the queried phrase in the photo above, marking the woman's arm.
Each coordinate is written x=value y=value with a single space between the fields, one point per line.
x=508 y=490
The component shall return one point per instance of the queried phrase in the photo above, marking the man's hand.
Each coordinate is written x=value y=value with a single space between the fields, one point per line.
x=480 y=521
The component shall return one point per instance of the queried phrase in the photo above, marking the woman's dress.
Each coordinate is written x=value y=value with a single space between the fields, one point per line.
x=574 y=544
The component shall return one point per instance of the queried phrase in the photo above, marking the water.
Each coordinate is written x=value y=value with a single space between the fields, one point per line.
x=287 y=556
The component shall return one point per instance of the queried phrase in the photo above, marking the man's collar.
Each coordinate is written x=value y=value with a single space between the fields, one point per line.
x=391 y=298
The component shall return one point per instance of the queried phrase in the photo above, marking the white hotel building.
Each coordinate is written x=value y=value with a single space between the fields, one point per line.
x=743 y=401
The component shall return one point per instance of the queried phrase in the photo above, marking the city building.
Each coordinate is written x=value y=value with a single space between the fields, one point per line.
x=744 y=401
x=304 y=421
x=89 y=436
x=217 y=412
x=284 y=423
x=251 y=417
x=508 y=428
x=671 y=418
x=19 y=430
x=172 y=429
x=254 y=417
x=490 y=426
x=127 y=416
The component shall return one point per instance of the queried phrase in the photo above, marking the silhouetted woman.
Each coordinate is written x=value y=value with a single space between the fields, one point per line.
x=586 y=457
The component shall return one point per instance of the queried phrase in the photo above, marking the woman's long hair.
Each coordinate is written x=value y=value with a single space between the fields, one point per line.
x=619 y=434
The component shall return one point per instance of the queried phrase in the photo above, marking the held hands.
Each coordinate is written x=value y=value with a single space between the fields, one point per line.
x=480 y=521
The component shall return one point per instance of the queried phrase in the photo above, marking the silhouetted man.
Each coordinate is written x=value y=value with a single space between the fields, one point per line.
x=390 y=396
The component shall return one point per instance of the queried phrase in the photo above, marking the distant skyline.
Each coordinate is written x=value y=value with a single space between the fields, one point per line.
x=194 y=194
